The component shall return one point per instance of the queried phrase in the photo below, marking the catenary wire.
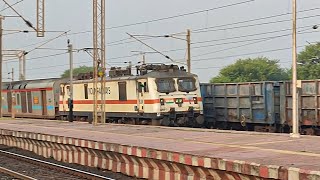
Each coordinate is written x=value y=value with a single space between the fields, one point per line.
x=256 y=19
x=180 y=15
x=11 y=5
x=243 y=45
x=245 y=54
x=25 y=20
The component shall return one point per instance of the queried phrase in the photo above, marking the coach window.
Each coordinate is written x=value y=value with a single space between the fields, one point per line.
x=86 y=91
x=122 y=91
x=18 y=99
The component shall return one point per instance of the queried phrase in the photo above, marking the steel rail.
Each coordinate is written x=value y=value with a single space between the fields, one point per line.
x=65 y=169
x=15 y=174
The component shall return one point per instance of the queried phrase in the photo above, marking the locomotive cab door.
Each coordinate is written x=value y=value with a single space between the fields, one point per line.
x=142 y=89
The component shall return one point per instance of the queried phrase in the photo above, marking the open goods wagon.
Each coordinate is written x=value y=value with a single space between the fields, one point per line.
x=261 y=106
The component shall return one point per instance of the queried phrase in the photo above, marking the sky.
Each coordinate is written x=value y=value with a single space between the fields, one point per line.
x=221 y=32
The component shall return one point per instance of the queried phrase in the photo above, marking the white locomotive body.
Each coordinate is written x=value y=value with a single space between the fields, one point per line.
x=158 y=94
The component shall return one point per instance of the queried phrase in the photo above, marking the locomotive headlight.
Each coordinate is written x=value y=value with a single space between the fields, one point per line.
x=178 y=100
x=162 y=101
x=195 y=100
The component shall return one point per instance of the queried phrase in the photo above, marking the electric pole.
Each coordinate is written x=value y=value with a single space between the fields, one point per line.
x=295 y=118
x=189 y=50
x=1 y=61
x=99 y=58
x=12 y=96
x=144 y=59
x=12 y=75
x=70 y=102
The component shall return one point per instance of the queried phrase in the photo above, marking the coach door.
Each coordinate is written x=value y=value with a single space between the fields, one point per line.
x=44 y=102
x=24 y=102
x=9 y=101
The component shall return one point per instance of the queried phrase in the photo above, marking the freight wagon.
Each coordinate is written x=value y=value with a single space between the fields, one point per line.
x=260 y=106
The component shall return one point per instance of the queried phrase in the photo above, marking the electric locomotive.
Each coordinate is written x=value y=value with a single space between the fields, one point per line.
x=158 y=94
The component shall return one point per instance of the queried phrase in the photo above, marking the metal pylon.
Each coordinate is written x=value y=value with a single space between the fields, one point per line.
x=99 y=59
x=21 y=55
x=40 y=18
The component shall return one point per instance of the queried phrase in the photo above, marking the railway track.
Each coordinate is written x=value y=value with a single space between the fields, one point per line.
x=23 y=167
x=14 y=174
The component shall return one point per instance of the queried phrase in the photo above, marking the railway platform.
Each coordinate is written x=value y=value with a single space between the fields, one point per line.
x=154 y=152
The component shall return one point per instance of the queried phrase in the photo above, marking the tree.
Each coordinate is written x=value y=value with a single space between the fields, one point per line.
x=251 y=70
x=309 y=65
x=76 y=71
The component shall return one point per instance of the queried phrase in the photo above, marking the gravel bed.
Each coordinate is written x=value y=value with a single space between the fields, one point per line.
x=32 y=170
x=5 y=177
x=105 y=173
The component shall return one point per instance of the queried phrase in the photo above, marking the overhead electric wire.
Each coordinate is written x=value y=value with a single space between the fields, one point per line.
x=245 y=54
x=218 y=67
x=120 y=42
x=166 y=56
x=242 y=36
x=127 y=42
x=111 y=43
x=205 y=59
x=39 y=57
x=78 y=63
x=252 y=25
x=252 y=20
x=80 y=32
x=239 y=46
x=5 y=34
x=245 y=26
x=128 y=56
x=58 y=54
x=60 y=65
x=248 y=40
x=239 y=22
x=26 y=21
x=11 y=5
x=180 y=15
x=48 y=41
x=237 y=37
x=176 y=16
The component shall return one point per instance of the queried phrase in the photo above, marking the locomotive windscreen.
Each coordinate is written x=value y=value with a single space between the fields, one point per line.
x=165 y=85
x=187 y=84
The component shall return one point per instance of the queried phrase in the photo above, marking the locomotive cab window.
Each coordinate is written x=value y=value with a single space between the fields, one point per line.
x=165 y=85
x=140 y=87
x=187 y=84
x=122 y=91
x=86 y=91
x=144 y=86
